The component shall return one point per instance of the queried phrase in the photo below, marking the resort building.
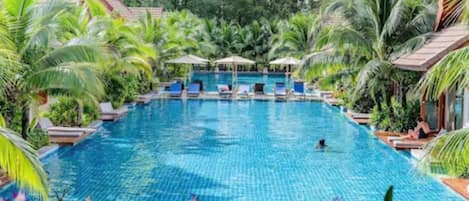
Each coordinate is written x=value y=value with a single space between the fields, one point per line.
x=451 y=111
x=130 y=13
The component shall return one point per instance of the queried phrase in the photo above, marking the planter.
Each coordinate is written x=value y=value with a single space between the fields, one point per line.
x=386 y=133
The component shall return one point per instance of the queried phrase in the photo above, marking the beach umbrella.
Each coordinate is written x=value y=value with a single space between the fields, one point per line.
x=286 y=61
x=188 y=59
x=289 y=61
x=235 y=61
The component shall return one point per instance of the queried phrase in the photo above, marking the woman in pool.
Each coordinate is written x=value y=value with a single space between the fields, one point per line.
x=321 y=144
x=422 y=130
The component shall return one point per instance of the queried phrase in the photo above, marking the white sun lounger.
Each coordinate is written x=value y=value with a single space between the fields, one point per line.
x=144 y=99
x=243 y=91
x=224 y=91
x=46 y=123
x=108 y=113
x=64 y=135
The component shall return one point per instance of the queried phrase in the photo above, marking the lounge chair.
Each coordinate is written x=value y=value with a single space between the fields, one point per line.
x=108 y=113
x=193 y=90
x=175 y=89
x=64 y=135
x=201 y=84
x=330 y=100
x=280 y=91
x=299 y=89
x=398 y=143
x=243 y=91
x=144 y=99
x=259 y=88
x=360 y=118
x=411 y=144
x=224 y=90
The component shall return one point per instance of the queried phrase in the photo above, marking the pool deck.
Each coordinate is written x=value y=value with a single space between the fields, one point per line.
x=458 y=185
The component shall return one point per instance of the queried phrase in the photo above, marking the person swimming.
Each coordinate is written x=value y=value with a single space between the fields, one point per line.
x=321 y=144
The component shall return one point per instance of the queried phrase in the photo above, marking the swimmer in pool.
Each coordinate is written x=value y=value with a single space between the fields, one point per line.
x=321 y=144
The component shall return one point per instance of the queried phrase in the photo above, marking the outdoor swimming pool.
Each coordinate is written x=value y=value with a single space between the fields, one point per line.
x=236 y=150
x=211 y=80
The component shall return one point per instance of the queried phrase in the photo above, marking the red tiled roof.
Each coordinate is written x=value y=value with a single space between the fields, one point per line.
x=439 y=45
x=131 y=13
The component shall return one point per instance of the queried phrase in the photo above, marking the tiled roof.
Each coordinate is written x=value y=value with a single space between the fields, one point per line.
x=131 y=13
x=438 y=46
x=137 y=12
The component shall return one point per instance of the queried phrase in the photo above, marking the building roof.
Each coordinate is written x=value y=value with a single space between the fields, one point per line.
x=438 y=46
x=131 y=13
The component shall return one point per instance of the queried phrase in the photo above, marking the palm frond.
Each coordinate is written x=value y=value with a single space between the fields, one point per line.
x=74 y=77
x=451 y=71
x=21 y=162
x=450 y=151
x=371 y=71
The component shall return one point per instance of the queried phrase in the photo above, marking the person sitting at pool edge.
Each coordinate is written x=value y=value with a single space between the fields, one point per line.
x=321 y=144
x=420 y=131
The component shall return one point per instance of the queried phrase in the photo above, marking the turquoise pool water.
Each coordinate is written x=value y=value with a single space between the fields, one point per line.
x=211 y=80
x=236 y=151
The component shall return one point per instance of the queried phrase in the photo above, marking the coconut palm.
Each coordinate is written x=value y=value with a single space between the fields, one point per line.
x=375 y=33
x=170 y=37
x=21 y=162
x=38 y=62
x=297 y=37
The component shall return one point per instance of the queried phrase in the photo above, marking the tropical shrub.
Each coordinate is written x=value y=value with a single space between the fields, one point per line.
x=361 y=103
x=38 y=138
x=66 y=112
x=120 y=89
x=396 y=117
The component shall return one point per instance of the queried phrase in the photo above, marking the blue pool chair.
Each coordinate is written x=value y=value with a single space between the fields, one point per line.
x=193 y=90
x=299 y=89
x=280 y=91
x=175 y=89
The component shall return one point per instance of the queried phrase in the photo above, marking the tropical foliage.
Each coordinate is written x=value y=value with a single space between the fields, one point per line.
x=19 y=159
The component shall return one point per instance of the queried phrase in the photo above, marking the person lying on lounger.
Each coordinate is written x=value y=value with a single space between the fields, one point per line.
x=422 y=130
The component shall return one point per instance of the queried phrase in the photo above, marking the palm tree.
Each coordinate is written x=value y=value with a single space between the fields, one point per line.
x=21 y=162
x=170 y=37
x=38 y=62
x=257 y=42
x=297 y=36
x=376 y=32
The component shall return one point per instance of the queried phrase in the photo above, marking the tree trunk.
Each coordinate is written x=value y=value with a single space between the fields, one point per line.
x=79 y=114
x=24 y=119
